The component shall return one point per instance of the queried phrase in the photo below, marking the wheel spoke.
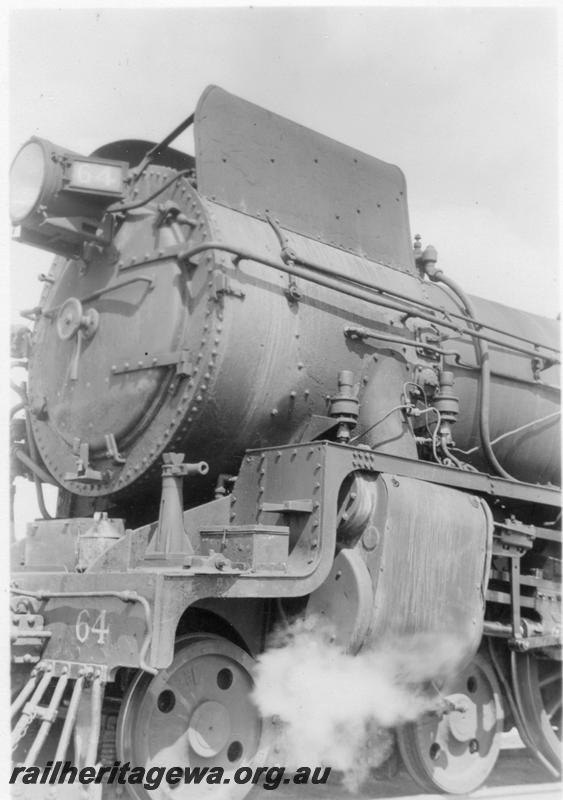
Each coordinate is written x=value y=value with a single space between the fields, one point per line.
x=553 y=706
x=555 y=676
x=537 y=681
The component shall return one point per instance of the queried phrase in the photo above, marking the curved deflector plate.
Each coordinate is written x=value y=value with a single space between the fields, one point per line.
x=256 y=162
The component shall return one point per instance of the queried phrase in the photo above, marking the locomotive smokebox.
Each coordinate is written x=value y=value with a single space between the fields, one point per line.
x=218 y=318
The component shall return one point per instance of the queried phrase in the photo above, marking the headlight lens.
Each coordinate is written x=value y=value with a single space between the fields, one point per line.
x=27 y=177
x=58 y=198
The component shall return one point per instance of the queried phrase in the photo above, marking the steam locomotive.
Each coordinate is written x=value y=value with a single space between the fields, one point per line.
x=260 y=402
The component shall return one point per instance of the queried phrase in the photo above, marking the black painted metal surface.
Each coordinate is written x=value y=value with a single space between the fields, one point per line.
x=258 y=162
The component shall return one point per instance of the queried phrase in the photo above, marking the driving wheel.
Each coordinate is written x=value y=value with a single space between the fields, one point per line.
x=455 y=748
x=196 y=713
x=537 y=683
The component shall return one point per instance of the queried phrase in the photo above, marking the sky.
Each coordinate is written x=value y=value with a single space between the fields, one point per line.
x=463 y=99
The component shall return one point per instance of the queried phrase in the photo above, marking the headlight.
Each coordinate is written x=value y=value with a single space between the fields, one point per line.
x=59 y=198
x=27 y=177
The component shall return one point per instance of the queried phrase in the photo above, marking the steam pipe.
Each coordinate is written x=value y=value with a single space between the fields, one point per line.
x=290 y=257
x=35 y=468
x=332 y=279
x=33 y=452
x=429 y=258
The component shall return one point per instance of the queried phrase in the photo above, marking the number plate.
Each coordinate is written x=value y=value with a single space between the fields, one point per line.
x=93 y=176
x=85 y=628
x=95 y=631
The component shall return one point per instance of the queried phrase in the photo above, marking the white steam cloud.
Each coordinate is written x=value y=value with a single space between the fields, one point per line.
x=338 y=710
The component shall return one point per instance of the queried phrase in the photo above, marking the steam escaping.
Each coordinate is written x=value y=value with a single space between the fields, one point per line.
x=338 y=710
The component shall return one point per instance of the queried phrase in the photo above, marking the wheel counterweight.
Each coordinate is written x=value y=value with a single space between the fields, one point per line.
x=196 y=713
x=454 y=751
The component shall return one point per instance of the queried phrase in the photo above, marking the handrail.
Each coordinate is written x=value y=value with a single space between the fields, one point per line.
x=332 y=279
